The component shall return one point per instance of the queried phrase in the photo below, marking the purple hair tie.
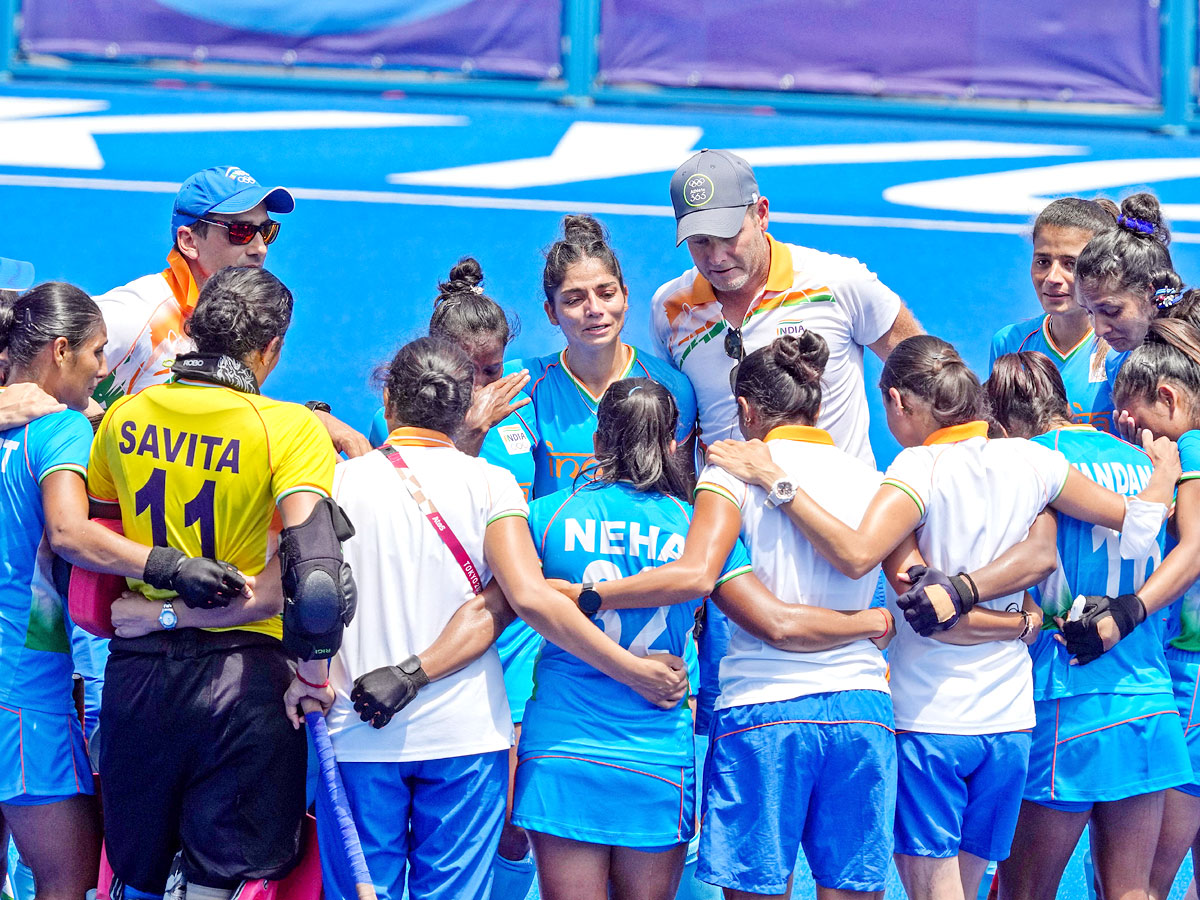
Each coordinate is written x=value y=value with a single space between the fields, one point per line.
x=1139 y=225
x=1166 y=297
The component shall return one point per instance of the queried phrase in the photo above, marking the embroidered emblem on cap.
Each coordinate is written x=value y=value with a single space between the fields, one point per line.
x=698 y=190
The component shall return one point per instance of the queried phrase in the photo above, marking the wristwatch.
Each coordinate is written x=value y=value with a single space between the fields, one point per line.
x=589 y=600
x=319 y=406
x=167 y=618
x=782 y=491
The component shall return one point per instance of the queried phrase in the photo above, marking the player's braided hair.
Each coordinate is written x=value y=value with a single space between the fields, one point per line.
x=1170 y=353
x=1026 y=394
x=1131 y=258
x=782 y=380
x=30 y=321
x=240 y=310
x=464 y=314
x=635 y=424
x=930 y=369
x=429 y=384
x=583 y=236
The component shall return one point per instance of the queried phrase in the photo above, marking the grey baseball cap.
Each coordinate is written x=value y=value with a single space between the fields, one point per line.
x=710 y=193
x=15 y=274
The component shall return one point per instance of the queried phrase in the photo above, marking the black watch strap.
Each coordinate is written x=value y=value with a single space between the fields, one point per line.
x=319 y=406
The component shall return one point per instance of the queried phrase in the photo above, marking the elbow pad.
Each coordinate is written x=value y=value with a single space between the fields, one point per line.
x=319 y=596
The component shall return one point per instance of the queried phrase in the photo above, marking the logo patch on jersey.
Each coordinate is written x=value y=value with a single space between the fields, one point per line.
x=789 y=328
x=1097 y=371
x=698 y=190
x=516 y=441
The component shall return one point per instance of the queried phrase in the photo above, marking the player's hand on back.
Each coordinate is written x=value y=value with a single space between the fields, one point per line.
x=749 y=461
x=661 y=679
x=21 y=403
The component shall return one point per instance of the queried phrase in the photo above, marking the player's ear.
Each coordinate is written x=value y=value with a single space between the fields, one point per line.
x=894 y=398
x=549 y=307
x=185 y=239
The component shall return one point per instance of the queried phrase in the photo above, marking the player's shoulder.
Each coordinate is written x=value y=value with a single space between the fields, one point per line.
x=663 y=372
x=672 y=296
x=811 y=264
x=537 y=366
x=1013 y=337
x=64 y=422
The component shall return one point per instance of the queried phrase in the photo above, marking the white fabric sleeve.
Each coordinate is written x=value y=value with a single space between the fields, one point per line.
x=912 y=472
x=506 y=496
x=659 y=327
x=714 y=478
x=1051 y=467
x=1140 y=530
x=871 y=305
x=124 y=322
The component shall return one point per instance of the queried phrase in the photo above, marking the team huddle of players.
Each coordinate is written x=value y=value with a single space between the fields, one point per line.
x=547 y=641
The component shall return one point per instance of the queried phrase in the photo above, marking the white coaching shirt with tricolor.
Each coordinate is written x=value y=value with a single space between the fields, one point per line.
x=409 y=585
x=977 y=498
x=753 y=671
x=837 y=297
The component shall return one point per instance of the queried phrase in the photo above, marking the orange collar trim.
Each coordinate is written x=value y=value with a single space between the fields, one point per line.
x=952 y=434
x=179 y=277
x=806 y=433
x=408 y=436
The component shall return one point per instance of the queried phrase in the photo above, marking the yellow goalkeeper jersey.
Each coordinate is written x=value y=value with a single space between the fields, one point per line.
x=201 y=467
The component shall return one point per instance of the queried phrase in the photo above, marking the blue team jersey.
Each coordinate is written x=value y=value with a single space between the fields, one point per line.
x=1084 y=368
x=564 y=413
x=508 y=444
x=601 y=532
x=35 y=652
x=1089 y=563
x=1183 y=616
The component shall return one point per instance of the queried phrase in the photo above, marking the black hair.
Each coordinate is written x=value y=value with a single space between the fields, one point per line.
x=429 y=383
x=241 y=309
x=1093 y=216
x=782 y=380
x=463 y=313
x=1133 y=257
x=583 y=237
x=1026 y=393
x=635 y=424
x=198 y=228
x=1170 y=352
x=930 y=369
x=39 y=316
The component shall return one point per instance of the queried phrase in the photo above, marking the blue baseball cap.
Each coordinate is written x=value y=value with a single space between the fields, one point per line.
x=15 y=274
x=224 y=189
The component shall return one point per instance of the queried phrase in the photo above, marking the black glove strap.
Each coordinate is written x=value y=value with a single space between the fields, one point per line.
x=967 y=592
x=412 y=668
x=161 y=566
x=1128 y=612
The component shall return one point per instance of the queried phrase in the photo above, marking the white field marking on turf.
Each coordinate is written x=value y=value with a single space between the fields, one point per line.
x=552 y=206
x=67 y=142
x=1027 y=191
x=591 y=151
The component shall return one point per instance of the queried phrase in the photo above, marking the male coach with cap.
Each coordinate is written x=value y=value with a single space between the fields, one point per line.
x=748 y=289
x=221 y=217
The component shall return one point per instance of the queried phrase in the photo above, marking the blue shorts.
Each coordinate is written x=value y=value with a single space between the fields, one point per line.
x=1096 y=748
x=435 y=823
x=1184 y=666
x=959 y=792
x=518 y=646
x=817 y=771
x=623 y=804
x=42 y=757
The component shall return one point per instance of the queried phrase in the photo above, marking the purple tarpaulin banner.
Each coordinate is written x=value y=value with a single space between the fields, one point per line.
x=1083 y=50
x=507 y=37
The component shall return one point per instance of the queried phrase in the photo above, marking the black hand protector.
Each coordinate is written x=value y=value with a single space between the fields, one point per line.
x=200 y=583
x=381 y=693
x=319 y=596
x=935 y=601
x=1083 y=636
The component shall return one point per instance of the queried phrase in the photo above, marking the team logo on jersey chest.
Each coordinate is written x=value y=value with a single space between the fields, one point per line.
x=516 y=441
x=790 y=328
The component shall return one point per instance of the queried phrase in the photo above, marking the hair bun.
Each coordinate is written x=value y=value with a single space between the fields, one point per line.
x=582 y=229
x=803 y=356
x=466 y=275
x=1141 y=213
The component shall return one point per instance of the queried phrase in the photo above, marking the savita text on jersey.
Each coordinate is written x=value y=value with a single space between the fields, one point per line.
x=209 y=451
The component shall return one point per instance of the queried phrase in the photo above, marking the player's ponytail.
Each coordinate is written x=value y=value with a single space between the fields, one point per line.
x=930 y=369
x=240 y=311
x=583 y=238
x=463 y=314
x=1170 y=353
x=1026 y=394
x=635 y=424
x=429 y=385
x=32 y=320
x=782 y=381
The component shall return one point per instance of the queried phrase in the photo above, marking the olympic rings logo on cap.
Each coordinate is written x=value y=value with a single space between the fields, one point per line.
x=698 y=190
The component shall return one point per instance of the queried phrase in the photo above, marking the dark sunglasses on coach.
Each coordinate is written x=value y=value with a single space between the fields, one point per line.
x=733 y=343
x=241 y=233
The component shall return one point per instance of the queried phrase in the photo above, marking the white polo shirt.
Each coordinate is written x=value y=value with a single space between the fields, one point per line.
x=835 y=296
x=409 y=585
x=145 y=328
x=977 y=498
x=752 y=670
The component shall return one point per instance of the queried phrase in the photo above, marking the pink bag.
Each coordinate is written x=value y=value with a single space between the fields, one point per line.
x=90 y=595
